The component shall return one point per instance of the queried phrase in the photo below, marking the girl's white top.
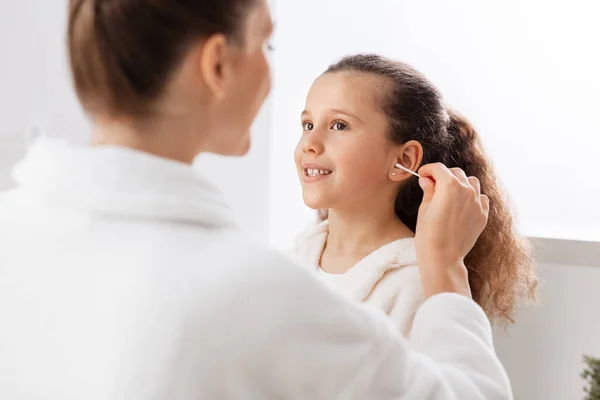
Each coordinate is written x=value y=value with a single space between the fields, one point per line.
x=123 y=277
x=387 y=279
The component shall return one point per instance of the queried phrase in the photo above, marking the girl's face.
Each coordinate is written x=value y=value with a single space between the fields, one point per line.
x=344 y=159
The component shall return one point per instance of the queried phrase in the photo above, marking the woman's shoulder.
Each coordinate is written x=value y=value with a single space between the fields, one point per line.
x=243 y=257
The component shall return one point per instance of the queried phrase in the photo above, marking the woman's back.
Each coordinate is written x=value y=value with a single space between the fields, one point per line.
x=129 y=285
x=101 y=274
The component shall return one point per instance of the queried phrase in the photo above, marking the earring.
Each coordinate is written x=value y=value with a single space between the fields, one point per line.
x=393 y=173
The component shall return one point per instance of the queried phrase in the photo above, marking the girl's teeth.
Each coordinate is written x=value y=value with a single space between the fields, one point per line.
x=316 y=172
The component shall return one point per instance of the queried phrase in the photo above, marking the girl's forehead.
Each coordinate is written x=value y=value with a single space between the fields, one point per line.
x=344 y=90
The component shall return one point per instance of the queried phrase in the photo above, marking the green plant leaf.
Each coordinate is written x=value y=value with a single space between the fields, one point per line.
x=591 y=374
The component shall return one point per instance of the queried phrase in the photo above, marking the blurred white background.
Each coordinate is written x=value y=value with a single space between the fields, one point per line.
x=525 y=72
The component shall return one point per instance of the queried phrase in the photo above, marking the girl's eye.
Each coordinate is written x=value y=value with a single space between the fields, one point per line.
x=307 y=126
x=339 y=126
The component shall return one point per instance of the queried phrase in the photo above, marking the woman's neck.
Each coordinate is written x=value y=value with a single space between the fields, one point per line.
x=161 y=137
x=354 y=235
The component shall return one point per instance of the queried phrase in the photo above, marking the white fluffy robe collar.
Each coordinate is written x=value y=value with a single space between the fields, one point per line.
x=116 y=181
x=363 y=276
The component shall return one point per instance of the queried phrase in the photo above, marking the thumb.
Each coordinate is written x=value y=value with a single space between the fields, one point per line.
x=428 y=187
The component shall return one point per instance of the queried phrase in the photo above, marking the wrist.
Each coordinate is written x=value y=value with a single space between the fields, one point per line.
x=439 y=262
x=445 y=277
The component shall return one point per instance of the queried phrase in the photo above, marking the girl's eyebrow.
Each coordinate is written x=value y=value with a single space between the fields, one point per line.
x=306 y=113
x=346 y=113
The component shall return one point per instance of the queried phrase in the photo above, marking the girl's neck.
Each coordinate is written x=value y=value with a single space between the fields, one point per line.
x=352 y=236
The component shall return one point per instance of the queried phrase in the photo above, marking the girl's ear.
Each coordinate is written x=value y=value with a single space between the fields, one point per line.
x=409 y=155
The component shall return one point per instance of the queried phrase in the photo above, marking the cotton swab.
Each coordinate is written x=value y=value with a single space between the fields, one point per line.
x=402 y=167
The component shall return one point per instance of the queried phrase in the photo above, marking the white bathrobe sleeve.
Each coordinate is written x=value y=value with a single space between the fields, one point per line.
x=302 y=341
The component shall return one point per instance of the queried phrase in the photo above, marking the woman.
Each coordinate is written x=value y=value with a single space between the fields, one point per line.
x=123 y=275
x=365 y=115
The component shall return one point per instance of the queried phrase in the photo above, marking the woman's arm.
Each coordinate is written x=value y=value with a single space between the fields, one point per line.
x=451 y=217
x=303 y=341
x=450 y=355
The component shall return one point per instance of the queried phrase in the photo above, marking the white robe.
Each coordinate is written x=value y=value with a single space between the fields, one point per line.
x=387 y=279
x=123 y=277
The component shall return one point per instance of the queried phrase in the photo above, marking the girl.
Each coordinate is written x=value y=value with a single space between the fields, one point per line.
x=363 y=116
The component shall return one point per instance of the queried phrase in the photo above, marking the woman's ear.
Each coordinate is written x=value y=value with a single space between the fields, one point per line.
x=409 y=155
x=213 y=56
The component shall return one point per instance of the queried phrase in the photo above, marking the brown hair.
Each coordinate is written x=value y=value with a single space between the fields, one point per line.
x=122 y=52
x=501 y=268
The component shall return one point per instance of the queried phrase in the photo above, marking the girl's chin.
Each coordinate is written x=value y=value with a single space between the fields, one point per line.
x=314 y=204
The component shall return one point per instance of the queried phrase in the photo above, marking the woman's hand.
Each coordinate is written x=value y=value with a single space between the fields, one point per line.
x=451 y=217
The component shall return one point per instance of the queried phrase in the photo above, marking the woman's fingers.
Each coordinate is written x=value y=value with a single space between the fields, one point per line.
x=474 y=182
x=485 y=204
x=460 y=175
x=470 y=182
x=441 y=174
x=438 y=172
